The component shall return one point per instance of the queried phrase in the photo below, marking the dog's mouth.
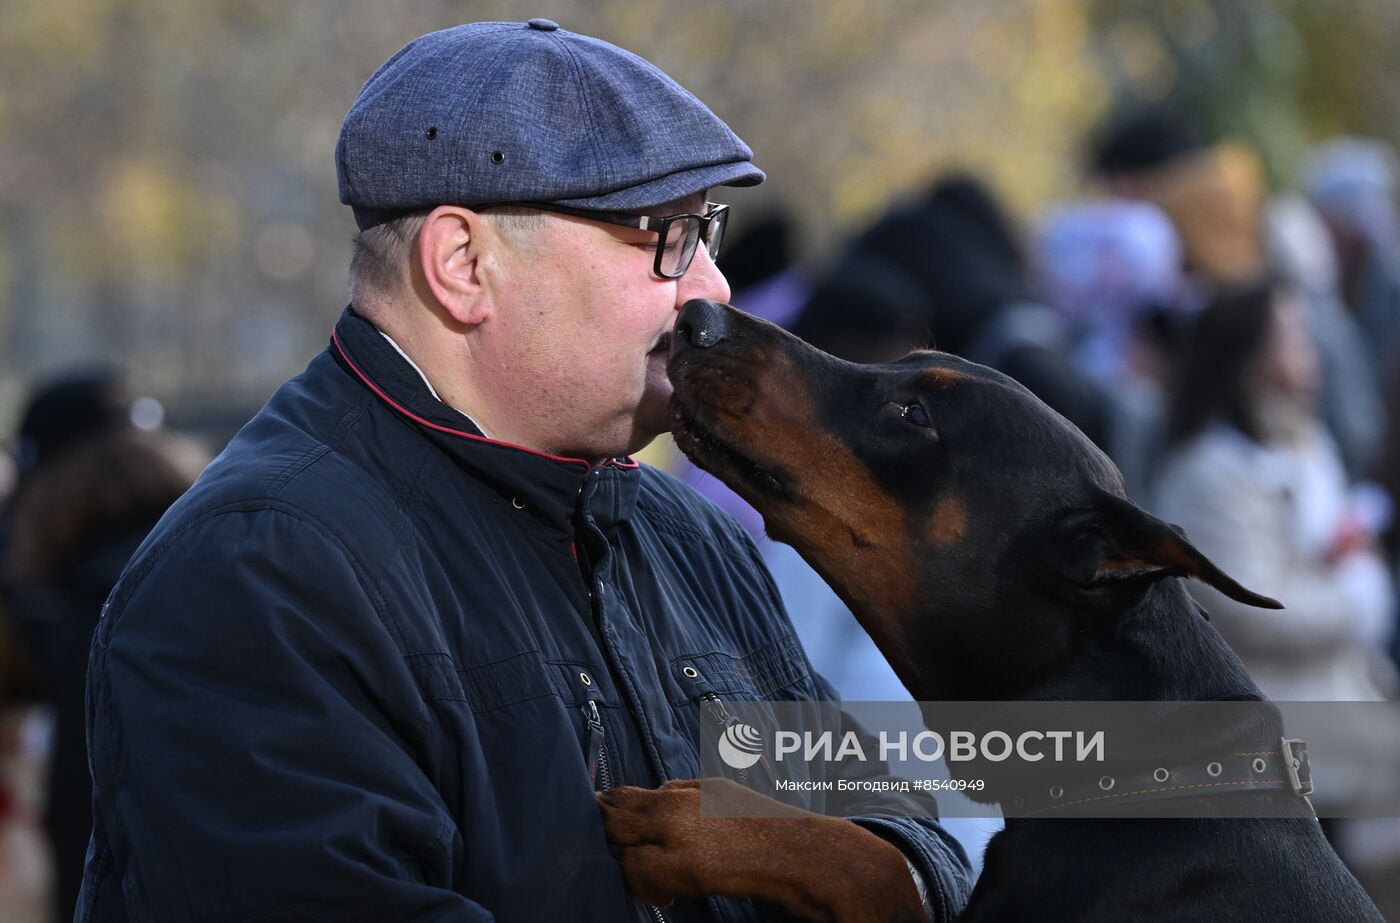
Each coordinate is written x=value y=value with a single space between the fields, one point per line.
x=662 y=347
x=706 y=448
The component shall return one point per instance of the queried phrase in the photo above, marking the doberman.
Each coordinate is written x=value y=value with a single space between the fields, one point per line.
x=988 y=549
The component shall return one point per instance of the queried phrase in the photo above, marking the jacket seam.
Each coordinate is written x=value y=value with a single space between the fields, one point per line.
x=410 y=494
x=588 y=108
x=296 y=466
x=496 y=706
x=99 y=872
x=424 y=855
x=662 y=523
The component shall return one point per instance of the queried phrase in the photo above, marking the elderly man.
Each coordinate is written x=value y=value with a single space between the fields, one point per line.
x=376 y=663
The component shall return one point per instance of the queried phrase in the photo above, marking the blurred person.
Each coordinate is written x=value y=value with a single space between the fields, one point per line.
x=26 y=867
x=1388 y=474
x=1350 y=399
x=378 y=661
x=1257 y=483
x=1255 y=480
x=1351 y=182
x=961 y=248
x=92 y=485
x=1213 y=193
x=762 y=269
x=64 y=412
x=1112 y=268
x=865 y=309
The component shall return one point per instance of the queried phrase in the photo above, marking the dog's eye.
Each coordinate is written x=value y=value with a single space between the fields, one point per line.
x=916 y=414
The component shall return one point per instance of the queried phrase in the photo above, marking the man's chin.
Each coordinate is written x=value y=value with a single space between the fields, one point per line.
x=653 y=417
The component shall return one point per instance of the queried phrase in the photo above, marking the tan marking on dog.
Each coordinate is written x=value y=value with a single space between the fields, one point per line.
x=1164 y=553
x=949 y=524
x=942 y=378
x=846 y=526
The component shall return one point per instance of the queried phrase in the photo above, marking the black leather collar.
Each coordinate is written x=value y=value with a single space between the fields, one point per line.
x=1279 y=768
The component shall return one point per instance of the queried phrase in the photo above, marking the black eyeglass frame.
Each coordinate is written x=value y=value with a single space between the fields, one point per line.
x=661 y=225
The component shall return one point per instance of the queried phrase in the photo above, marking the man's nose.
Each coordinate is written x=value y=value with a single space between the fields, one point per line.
x=702 y=280
x=701 y=324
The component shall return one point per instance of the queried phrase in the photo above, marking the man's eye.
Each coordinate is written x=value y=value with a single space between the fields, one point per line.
x=651 y=246
x=917 y=415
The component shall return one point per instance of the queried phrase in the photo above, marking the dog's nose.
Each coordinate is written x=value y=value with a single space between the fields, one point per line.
x=701 y=323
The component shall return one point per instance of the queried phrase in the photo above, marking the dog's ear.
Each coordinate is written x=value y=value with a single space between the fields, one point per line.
x=1122 y=544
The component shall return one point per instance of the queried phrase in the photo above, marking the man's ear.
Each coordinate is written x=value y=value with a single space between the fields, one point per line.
x=450 y=249
x=1123 y=544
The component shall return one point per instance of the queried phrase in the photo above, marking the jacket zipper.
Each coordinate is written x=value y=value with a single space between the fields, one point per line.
x=715 y=706
x=600 y=771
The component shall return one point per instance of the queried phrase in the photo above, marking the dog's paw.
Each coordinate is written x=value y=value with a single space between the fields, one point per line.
x=658 y=837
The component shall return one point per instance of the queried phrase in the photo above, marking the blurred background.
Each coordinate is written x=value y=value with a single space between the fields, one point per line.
x=1175 y=222
x=167 y=196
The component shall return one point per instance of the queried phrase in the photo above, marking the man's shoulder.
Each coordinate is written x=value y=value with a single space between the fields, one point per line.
x=303 y=456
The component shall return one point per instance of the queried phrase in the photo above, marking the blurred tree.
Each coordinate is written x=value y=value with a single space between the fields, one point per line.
x=1279 y=74
x=167 y=195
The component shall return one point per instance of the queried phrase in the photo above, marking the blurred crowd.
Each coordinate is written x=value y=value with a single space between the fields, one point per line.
x=1235 y=348
x=92 y=472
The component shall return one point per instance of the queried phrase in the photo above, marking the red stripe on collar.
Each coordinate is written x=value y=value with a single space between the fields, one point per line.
x=340 y=348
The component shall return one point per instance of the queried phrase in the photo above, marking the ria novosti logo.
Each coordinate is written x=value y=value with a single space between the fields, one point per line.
x=740 y=746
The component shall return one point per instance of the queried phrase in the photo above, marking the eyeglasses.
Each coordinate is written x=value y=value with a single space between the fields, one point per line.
x=678 y=236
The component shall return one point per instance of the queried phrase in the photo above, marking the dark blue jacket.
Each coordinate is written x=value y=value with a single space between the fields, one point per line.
x=356 y=672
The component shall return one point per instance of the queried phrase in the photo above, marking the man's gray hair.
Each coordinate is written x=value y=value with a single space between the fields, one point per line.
x=379 y=265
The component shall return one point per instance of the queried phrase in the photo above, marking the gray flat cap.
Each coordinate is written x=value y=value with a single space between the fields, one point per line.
x=527 y=112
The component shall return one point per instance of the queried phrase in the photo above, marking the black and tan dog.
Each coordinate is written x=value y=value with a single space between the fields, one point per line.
x=987 y=548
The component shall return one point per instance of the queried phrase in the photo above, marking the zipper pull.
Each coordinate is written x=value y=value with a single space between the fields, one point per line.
x=594 y=741
x=715 y=706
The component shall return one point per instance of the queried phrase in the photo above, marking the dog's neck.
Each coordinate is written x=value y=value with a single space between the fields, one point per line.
x=1160 y=648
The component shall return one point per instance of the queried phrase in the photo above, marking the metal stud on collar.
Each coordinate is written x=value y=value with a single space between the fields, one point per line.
x=1213 y=769
x=1161 y=775
x=1107 y=782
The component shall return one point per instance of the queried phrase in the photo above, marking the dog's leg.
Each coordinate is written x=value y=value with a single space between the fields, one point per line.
x=820 y=868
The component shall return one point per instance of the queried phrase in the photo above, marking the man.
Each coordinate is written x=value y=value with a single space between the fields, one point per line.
x=376 y=663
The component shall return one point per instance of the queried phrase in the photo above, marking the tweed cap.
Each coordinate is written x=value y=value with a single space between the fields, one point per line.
x=528 y=112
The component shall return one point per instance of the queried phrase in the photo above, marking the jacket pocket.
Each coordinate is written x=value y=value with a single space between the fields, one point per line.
x=714 y=691
x=776 y=671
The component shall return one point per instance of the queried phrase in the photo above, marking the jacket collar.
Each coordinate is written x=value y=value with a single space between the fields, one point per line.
x=550 y=489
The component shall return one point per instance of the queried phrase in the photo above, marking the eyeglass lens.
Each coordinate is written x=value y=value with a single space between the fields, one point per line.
x=717 y=233
x=676 y=252
x=682 y=238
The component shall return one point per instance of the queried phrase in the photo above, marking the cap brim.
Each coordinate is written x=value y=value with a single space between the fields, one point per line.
x=654 y=192
x=673 y=186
